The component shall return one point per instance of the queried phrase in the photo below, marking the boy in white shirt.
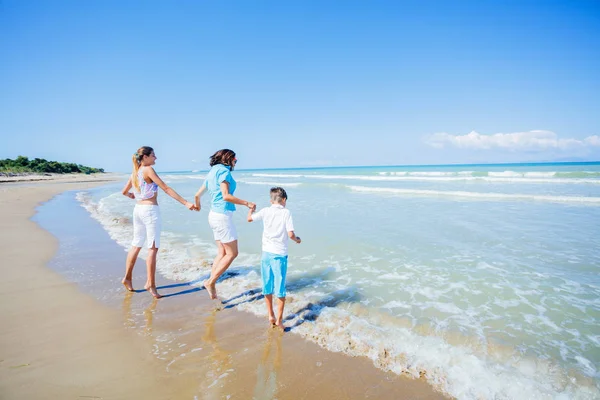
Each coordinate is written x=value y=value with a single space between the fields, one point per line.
x=278 y=226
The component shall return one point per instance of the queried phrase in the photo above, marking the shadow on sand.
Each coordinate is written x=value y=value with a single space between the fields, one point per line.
x=197 y=283
x=293 y=285
x=312 y=310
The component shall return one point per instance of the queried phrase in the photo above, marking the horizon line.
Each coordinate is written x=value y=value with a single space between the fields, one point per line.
x=540 y=163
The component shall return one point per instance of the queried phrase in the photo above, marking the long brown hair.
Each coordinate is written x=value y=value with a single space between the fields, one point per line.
x=224 y=156
x=137 y=161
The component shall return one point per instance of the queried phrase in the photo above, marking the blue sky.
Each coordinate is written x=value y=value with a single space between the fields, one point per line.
x=300 y=83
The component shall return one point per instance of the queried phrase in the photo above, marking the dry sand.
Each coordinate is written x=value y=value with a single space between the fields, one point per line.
x=4 y=178
x=57 y=342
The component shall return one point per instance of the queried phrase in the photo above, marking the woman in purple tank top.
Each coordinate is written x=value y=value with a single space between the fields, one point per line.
x=146 y=215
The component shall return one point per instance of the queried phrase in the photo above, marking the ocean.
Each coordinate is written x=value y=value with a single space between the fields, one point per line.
x=484 y=279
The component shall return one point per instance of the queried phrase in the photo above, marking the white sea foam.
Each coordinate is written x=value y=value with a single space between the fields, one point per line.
x=539 y=174
x=335 y=316
x=456 y=370
x=396 y=304
x=175 y=261
x=510 y=174
x=394 y=276
x=480 y=196
x=397 y=173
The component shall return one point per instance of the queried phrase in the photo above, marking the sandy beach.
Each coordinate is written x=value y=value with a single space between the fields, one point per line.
x=59 y=341
x=57 y=178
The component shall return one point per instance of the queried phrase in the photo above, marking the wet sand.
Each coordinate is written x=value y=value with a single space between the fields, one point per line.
x=94 y=340
x=55 y=341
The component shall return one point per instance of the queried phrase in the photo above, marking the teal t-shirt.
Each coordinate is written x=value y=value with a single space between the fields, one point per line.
x=219 y=173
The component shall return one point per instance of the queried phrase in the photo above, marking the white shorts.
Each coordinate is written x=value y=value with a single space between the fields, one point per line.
x=222 y=226
x=146 y=226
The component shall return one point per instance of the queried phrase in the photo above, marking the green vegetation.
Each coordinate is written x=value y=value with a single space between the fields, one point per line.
x=23 y=165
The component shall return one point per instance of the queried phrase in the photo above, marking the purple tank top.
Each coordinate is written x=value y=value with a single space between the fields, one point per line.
x=147 y=190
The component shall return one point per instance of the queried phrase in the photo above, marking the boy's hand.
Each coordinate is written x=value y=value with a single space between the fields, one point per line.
x=298 y=240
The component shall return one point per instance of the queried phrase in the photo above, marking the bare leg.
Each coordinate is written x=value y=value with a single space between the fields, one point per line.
x=151 y=272
x=218 y=258
x=231 y=252
x=280 y=305
x=212 y=293
x=269 y=302
x=132 y=256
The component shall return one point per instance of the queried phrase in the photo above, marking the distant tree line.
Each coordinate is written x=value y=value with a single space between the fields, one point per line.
x=23 y=164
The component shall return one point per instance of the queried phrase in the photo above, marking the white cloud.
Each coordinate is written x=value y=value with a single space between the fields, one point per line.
x=519 y=141
x=593 y=140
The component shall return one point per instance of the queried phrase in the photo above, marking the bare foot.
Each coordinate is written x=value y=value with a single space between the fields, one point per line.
x=127 y=284
x=279 y=325
x=211 y=289
x=153 y=292
x=272 y=320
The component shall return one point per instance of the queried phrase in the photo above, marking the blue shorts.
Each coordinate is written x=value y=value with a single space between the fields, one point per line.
x=273 y=269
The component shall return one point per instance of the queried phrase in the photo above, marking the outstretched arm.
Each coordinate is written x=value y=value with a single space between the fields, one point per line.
x=198 y=195
x=235 y=200
x=127 y=188
x=155 y=178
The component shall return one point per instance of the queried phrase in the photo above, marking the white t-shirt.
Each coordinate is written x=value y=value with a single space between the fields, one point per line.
x=277 y=222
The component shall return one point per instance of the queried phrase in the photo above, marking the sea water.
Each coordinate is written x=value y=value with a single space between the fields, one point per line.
x=484 y=279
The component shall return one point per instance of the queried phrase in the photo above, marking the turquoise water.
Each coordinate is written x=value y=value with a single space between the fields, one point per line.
x=483 y=278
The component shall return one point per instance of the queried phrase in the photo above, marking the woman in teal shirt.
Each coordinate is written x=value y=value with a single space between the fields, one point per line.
x=220 y=185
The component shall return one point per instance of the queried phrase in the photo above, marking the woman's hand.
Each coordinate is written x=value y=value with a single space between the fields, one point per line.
x=127 y=188
x=251 y=206
x=191 y=206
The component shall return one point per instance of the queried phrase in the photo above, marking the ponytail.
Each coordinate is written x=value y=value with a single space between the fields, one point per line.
x=137 y=162
x=136 y=166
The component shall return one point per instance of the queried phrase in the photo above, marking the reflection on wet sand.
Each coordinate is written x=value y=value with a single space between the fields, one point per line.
x=225 y=355
x=149 y=316
x=128 y=319
x=266 y=374
x=219 y=359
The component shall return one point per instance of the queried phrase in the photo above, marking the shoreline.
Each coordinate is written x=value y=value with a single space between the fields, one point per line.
x=222 y=342
x=62 y=178
x=49 y=326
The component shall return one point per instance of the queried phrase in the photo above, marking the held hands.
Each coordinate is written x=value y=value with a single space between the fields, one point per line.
x=298 y=240
x=130 y=195
x=251 y=206
x=191 y=206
